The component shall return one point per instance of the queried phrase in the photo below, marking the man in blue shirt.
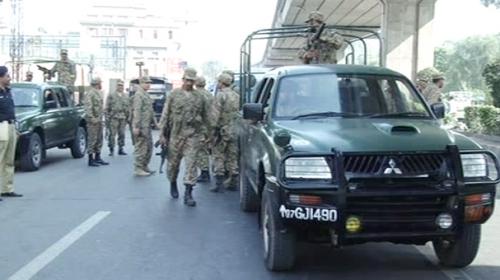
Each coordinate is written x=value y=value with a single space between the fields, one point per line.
x=8 y=136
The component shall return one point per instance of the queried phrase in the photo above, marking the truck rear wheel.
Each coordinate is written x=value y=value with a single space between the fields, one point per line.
x=79 y=144
x=279 y=245
x=32 y=159
x=249 y=201
x=461 y=251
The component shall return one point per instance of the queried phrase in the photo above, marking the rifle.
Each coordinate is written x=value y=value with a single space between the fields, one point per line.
x=313 y=41
x=46 y=71
x=163 y=154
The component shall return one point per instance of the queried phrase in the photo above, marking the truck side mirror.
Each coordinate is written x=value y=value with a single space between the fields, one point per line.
x=439 y=110
x=253 y=111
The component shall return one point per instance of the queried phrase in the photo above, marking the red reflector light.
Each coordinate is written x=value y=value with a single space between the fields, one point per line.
x=306 y=199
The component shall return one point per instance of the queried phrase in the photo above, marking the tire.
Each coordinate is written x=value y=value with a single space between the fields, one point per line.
x=462 y=251
x=249 y=200
x=279 y=245
x=79 y=144
x=32 y=159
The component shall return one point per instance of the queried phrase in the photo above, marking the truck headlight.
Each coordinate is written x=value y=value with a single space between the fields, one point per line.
x=474 y=165
x=307 y=168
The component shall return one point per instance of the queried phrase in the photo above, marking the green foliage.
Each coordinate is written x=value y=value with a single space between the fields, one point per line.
x=487 y=3
x=462 y=62
x=491 y=74
x=483 y=119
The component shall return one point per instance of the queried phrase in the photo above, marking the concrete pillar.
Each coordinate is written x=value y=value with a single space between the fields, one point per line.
x=407 y=34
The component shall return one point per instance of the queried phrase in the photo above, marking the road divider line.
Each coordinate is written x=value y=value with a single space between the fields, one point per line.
x=452 y=274
x=42 y=260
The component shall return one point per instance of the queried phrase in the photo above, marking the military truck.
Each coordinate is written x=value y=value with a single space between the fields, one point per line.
x=46 y=118
x=348 y=154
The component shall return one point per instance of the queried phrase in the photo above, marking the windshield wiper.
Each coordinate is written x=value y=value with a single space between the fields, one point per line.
x=400 y=114
x=325 y=114
x=25 y=106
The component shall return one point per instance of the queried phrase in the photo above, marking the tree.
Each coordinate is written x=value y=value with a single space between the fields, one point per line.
x=491 y=74
x=462 y=62
x=487 y=3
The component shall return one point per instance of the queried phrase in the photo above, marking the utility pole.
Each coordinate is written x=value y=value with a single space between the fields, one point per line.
x=140 y=64
x=17 y=39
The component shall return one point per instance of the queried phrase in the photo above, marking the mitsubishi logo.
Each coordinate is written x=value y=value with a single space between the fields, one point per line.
x=392 y=169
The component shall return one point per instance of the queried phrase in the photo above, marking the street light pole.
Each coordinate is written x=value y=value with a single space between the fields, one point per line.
x=140 y=64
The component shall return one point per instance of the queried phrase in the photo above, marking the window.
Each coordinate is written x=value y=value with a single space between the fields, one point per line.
x=330 y=95
x=63 y=101
x=49 y=96
x=122 y=32
x=26 y=97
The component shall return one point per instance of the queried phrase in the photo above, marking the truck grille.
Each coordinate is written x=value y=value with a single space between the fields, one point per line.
x=405 y=165
x=392 y=214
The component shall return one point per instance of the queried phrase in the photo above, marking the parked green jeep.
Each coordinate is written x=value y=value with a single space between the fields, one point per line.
x=345 y=154
x=46 y=118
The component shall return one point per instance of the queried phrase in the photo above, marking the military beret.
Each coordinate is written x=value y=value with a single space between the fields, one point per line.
x=200 y=81
x=225 y=79
x=189 y=74
x=3 y=71
x=95 y=81
x=316 y=15
x=437 y=77
x=145 y=80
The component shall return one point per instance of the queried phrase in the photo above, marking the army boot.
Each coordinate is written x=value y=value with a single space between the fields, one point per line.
x=99 y=160
x=121 y=152
x=205 y=176
x=233 y=182
x=92 y=162
x=219 y=184
x=188 y=196
x=111 y=151
x=141 y=173
x=174 y=192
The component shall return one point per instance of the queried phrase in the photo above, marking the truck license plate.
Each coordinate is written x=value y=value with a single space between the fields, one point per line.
x=309 y=214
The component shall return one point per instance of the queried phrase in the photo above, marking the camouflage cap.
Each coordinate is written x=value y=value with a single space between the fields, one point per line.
x=120 y=83
x=316 y=15
x=225 y=79
x=144 y=80
x=64 y=51
x=438 y=77
x=200 y=81
x=29 y=73
x=189 y=74
x=95 y=81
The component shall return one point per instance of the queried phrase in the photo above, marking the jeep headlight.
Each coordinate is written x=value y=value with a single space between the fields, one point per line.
x=474 y=165
x=307 y=168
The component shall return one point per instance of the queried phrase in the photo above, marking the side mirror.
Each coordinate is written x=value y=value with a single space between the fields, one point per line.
x=439 y=110
x=253 y=111
x=253 y=81
x=50 y=104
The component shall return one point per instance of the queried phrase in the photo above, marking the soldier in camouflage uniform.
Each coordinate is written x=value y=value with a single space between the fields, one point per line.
x=93 y=105
x=66 y=71
x=233 y=85
x=203 y=157
x=182 y=122
x=325 y=50
x=226 y=106
x=432 y=93
x=117 y=114
x=142 y=120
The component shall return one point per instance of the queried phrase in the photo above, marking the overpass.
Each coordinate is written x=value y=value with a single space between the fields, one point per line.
x=404 y=28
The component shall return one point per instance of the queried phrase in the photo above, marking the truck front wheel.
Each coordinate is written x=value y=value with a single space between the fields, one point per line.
x=279 y=245
x=461 y=251
x=32 y=159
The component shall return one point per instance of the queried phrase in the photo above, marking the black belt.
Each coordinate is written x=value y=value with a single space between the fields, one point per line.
x=9 y=121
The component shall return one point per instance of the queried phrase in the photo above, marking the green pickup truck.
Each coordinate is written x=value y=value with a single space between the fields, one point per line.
x=346 y=154
x=46 y=118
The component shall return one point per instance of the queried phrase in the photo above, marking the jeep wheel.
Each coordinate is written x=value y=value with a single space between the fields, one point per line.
x=461 y=251
x=32 y=159
x=79 y=144
x=279 y=245
x=249 y=201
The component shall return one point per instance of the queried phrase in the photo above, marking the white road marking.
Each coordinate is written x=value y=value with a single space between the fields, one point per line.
x=42 y=260
x=452 y=274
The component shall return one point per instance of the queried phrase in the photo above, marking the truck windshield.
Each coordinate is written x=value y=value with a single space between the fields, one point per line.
x=26 y=97
x=327 y=95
